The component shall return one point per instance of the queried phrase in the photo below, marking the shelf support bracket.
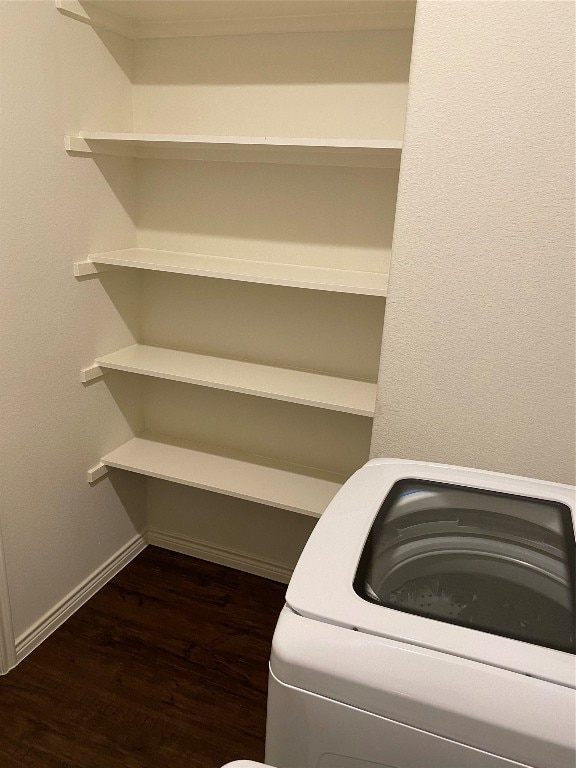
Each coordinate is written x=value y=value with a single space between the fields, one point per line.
x=91 y=269
x=96 y=472
x=91 y=373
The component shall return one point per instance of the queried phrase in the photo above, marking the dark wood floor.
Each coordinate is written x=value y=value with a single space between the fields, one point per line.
x=165 y=667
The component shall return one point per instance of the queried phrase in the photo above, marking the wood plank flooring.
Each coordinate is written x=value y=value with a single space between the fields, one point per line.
x=165 y=667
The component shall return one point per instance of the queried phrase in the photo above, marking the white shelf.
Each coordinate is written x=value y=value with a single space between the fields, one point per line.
x=303 y=387
x=271 y=273
x=335 y=145
x=170 y=18
x=277 y=485
x=273 y=149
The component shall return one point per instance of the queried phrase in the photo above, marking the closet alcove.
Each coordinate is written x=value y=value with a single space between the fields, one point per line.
x=252 y=150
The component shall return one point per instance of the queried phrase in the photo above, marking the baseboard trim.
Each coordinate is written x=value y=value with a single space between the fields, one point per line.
x=221 y=555
x=56 y=616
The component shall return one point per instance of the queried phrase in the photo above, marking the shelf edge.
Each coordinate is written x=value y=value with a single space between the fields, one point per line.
x=242 y=152
x=139 y=29
x=100 y=363
x=287 y=282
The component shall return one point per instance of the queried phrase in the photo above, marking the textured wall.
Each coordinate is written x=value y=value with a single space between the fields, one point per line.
x=55 y=210
x=478 y=352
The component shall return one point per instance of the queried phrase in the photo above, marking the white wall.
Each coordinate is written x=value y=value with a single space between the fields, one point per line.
x=295 y=214
x=56 y=209
x=477 y=361
x=312 y=84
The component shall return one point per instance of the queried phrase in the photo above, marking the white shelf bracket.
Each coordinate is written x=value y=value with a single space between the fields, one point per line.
x=90 y=269
x=96 y=472
x=91 y=373
x=96 y=16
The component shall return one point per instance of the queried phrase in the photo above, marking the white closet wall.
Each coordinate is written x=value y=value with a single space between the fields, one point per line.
x=311 y=84
x=478 y=355
x=294 y=214
x=60 y=536
x=303 y=329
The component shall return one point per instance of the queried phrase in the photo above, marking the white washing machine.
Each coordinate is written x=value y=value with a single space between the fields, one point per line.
x=429 y=623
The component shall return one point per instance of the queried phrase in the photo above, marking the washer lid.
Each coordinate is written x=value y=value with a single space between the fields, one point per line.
x=473 y=563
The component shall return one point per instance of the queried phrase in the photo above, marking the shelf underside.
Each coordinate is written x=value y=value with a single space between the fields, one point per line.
x=173 y=18
x=285 y=486
x=302 y=387
x=371 y=153
x=271 y=273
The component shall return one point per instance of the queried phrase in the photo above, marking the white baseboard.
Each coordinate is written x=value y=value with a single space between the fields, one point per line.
x=56 y=616
x=221 y=555
x=51 y=620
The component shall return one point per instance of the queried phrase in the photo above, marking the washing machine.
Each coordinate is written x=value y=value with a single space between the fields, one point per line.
x=429 y=623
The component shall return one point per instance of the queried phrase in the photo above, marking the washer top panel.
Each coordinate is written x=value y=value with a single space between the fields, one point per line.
x=471 y=563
